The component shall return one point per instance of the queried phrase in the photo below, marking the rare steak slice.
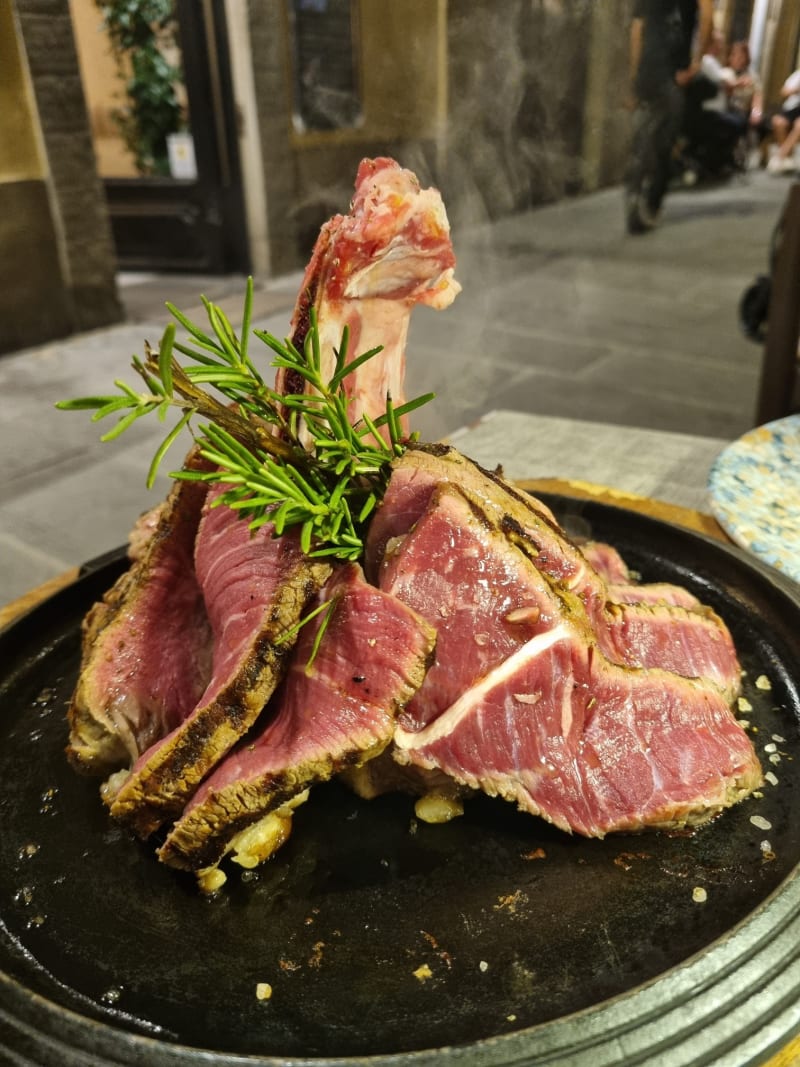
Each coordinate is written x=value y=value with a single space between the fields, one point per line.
x=335 y=708
x=146 y=651
x=608 y=563
x=589 y=745
x=480 y=593
x=255 y=588
x=368 y=270
x=521 y=702
x=624 y=586
x=415 y=476
x=689 y=641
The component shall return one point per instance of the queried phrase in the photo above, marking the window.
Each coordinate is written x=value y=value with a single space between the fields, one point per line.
x=327 y=93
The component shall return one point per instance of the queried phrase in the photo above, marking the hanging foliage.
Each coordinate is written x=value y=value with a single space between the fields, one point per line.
x=140 y=32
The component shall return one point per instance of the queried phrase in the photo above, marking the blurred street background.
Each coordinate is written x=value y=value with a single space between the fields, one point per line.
x=157 y=150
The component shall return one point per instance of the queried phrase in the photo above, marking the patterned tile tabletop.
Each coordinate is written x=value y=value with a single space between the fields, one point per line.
x=754 y=488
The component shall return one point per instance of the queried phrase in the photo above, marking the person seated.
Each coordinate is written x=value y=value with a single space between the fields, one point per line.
x=712 y=128
x=744 y=95
x=785 y=126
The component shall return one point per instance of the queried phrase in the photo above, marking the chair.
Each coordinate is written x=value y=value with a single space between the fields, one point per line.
x=777 y=395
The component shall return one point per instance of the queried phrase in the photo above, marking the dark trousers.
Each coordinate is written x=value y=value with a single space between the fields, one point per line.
x=656 y=124
x=713 y=137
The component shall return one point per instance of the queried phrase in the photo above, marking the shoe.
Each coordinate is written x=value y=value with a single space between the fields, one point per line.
x=638 y=218
x=633 y=222
x=788 y=165
x=780 y=165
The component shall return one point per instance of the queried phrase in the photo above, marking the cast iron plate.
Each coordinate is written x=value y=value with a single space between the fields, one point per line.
x=517 y=924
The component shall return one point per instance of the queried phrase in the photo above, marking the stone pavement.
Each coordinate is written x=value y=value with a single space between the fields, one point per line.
x=561 y=314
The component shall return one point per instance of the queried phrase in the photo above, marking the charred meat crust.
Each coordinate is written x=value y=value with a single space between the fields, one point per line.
x=95 y=744
x=93 y=748
x=291 y=381
x=527 y=524
x=546 y=719
x=321 y=721
x=305 y=302
x=159 y=790
x=530 y=503
x=202 y=837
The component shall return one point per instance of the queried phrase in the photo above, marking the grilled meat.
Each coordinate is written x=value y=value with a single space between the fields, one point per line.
x=335 y=708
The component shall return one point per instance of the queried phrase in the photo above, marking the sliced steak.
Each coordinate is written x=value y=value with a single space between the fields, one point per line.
x=255 y=588
x=590 y=746
x=608 y=563
x=521 y=701
x=143 y=529
x=415 y=476
x=656 y=593
x=483 y=601
x=335 y=708
x=146 y=649
x=695 y=643
x=624 y=586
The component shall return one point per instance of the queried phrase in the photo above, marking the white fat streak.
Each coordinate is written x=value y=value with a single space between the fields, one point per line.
x=449 y=719
x=566 y=710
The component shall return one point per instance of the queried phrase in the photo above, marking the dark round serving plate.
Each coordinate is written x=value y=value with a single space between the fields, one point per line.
x=493 y=939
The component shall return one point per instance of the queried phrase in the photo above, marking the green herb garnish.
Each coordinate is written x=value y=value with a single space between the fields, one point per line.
x=293 y=460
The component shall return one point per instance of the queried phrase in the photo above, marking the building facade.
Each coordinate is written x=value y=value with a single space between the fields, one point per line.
x=503 y=104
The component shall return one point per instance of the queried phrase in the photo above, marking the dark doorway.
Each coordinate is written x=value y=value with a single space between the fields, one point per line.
x=194 y=222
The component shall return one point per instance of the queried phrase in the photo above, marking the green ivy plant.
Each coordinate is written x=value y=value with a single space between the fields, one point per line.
x=137 y=30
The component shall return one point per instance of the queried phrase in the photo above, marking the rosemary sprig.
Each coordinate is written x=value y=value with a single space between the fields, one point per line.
x=291 y=460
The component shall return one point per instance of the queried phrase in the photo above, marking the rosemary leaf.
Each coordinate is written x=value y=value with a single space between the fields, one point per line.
x=194 y=330
x=341 y=374
x=412 y=405
x=223 y=330
x=247 y=314
x=164 y=446
x=126 y=389
x=86 y=403
x=372 y=429
x=153 y=384
x=200 y=347
x=306 y=532
x=123 y=424
x=294 y=630
x=312 y=341
x=293 y=460
x=323 y=626
x=367 y=508
x=114 y=404
x=165 y=358
x=341 y=356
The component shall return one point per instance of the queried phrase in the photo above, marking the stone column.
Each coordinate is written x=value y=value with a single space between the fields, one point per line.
x=76 y=197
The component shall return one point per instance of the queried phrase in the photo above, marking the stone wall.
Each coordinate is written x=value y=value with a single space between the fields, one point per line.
x=511 y=103
x=56 y=240
x=271 y=81
x=307 y=178
x=536 y=91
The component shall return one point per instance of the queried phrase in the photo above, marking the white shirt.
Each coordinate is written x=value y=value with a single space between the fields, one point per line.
x=711 y=67
x=792 y=83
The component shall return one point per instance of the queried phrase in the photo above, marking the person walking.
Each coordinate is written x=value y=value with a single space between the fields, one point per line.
x=668 y=39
